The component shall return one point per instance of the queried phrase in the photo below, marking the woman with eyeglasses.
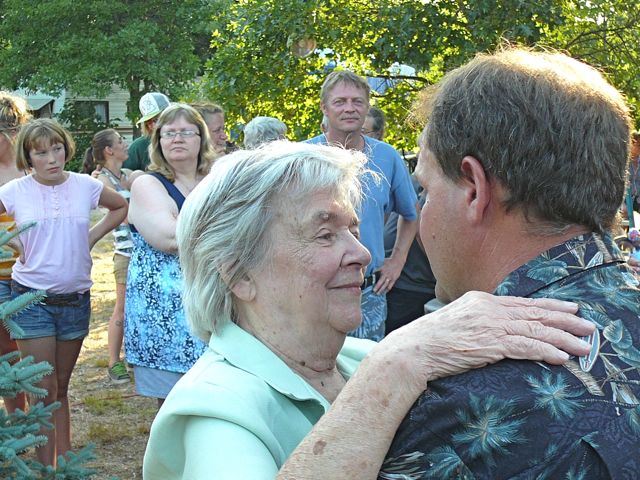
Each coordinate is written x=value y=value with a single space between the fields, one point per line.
x=13 y=114
x=157 y=341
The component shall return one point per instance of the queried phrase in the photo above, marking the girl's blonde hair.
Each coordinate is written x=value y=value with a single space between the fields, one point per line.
x=13 y=114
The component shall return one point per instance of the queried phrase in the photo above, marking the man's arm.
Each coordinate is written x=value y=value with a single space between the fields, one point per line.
x=392 y=266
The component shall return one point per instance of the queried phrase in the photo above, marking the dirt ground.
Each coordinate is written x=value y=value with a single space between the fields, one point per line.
x=111 y=416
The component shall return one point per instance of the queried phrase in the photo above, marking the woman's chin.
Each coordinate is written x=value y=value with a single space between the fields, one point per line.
x=351 y=322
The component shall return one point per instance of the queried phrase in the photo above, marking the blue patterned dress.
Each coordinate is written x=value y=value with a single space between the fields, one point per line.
x=156 y=332
x=528 y=420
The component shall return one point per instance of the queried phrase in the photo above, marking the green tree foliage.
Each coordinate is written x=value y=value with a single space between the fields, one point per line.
x=605 y=34
x=84 y=123
x=253 y=71
x=87 y=47
x=246 y=44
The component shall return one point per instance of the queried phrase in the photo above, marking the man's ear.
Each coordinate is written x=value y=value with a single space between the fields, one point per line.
x=476 y=187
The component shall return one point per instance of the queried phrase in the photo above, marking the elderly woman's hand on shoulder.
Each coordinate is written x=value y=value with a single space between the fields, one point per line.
x=479 y=329
x=475 y=330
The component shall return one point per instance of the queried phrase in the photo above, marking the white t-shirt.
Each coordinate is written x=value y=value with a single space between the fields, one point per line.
x=57 y=257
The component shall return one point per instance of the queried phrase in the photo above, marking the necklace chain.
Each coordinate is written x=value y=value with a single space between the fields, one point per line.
x=118 y=177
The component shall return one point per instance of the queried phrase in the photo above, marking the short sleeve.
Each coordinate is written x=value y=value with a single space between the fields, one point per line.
x=404 y=195
x=240 y=455
x=95 y=189
x=8 y=195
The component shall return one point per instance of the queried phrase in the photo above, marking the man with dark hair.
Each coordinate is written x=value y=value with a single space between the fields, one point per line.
x=344 y=100
x=374 y=124
x=524 y=158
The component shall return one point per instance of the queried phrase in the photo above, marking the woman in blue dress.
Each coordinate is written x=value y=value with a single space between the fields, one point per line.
x=157 y=340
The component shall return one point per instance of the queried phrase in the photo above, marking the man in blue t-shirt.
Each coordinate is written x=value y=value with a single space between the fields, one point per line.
x=344 y=100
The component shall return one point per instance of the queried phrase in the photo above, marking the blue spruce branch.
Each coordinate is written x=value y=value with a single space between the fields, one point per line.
x=9 y=308
x=7 y=235
x=22 y=376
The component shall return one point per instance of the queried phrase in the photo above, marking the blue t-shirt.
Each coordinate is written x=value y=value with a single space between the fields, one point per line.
x=393 y=192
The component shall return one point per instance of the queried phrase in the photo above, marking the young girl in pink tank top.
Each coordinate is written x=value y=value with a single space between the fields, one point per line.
x=55 y=257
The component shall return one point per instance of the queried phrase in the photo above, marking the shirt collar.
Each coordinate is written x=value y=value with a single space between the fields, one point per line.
x=572 y=257
x=244 y=351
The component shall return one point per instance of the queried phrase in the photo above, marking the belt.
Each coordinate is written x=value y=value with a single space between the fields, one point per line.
x=369 y=281
x=62 y=299
x=57 y=299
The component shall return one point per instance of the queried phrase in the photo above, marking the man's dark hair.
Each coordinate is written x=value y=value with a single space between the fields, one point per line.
x=549 y=128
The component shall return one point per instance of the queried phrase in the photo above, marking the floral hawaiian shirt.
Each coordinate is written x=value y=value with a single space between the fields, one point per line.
x=528 y=420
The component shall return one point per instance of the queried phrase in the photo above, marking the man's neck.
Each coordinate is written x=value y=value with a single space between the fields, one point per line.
x=507 y=250
x=349 y=140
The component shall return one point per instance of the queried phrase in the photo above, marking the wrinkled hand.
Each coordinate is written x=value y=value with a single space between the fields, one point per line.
x=479 y=329
x=387 y=275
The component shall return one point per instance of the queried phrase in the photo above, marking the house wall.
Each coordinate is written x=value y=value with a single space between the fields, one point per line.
x=117 y=109
x=117 y=100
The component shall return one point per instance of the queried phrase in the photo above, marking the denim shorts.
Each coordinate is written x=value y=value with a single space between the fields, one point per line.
x=65 y=317
x=5 y=291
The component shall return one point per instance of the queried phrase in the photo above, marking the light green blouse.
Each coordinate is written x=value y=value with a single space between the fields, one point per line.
x=238 y=413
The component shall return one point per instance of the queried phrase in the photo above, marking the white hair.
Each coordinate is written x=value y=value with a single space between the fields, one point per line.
x=224 y=227
x=263 y=130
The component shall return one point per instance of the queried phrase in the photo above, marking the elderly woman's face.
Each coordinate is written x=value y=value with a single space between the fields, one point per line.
x=180 y=141
x=311 y=282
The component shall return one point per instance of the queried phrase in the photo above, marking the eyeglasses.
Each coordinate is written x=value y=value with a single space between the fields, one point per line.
x=183 y=133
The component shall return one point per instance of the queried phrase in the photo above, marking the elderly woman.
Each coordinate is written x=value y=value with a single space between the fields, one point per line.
x=263 y=130
x=157 y=341
x=273 y=269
